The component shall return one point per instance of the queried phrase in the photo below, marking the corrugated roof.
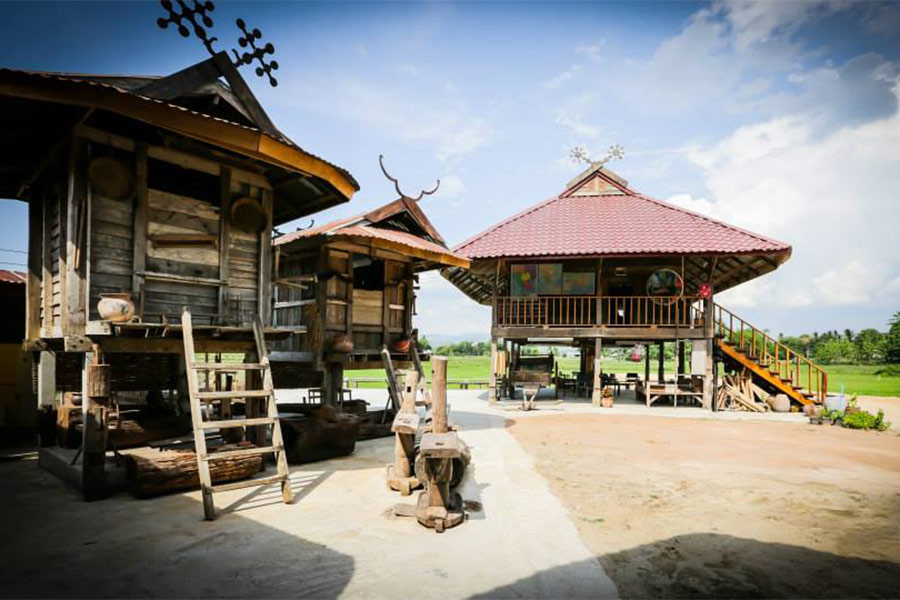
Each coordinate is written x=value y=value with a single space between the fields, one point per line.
x=627 y=223
x=13 y=276
x=361 y=227
x=98 y=81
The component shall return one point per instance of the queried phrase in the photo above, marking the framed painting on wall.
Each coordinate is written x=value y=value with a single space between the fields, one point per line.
x=523 y=280
x=550 y=276
x=578 y=284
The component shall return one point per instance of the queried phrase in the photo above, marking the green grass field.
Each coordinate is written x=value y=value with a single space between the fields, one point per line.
x=856 y=379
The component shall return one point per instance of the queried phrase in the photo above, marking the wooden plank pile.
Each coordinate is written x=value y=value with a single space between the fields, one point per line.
x=738 y=392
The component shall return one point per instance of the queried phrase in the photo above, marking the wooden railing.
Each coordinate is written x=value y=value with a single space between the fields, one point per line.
x=770 y=353
x=594 y=311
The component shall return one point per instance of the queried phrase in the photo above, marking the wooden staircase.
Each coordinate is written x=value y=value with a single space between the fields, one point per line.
x=201 y=426
x=773 y=365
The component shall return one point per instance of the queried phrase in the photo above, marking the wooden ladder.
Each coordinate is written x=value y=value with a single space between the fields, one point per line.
x=201 y=426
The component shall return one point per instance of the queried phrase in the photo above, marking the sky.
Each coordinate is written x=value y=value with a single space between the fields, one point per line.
x=780 y=117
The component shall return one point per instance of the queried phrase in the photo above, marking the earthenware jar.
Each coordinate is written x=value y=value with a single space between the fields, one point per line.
x=117 y=308
x=342 y=343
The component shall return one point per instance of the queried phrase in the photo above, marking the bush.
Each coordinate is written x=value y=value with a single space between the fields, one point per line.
x=866 y=420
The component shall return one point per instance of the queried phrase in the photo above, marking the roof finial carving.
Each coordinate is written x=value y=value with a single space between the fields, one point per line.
x=397 y=183
x=579 y=154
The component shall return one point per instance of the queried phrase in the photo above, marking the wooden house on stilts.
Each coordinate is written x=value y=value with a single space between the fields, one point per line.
x=602 y=264
x=350 y=285
x=161 y=193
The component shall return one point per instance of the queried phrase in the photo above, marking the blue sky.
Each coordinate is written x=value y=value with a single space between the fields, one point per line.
x=779 y=117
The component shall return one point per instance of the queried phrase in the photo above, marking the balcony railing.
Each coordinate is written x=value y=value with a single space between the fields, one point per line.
x=596 y=311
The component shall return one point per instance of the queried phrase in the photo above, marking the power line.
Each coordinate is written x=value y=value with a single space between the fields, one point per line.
x=11 y=250
x=6 y=262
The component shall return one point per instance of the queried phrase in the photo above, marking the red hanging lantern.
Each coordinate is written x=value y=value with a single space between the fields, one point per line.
x=705 y=291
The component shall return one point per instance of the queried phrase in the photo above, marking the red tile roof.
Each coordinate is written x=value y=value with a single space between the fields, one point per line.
x=627 y=223
x=13 y=276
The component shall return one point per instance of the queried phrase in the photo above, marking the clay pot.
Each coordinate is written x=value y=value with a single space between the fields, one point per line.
x=402 y=345
x=117 y=308
x=342 y=343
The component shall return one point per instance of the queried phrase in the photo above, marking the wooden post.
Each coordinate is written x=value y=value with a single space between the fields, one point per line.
x=647 y=373
x=334 y=381
x=680 y=357
x=47 y=379
x=140 y=221
x=73 y=302
x=94 y=419
x=224 y=239
x=400 y=475
x=35 y=260
x=661 y=363
x=439 y=394
x=46 y=265
x=265 y=262
x=598 y=372
x=709 y=325
x=492 y=385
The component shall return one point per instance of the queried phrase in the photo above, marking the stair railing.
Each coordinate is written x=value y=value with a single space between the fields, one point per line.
x=784 y=362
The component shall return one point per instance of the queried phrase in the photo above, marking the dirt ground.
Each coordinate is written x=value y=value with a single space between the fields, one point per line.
x=686 y=508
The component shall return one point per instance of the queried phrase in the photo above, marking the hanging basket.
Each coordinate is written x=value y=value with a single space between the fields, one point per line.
x=111 y=178
x=248 y=214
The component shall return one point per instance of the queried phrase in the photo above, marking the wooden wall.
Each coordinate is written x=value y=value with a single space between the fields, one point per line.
x=333 y=306
x=112 y=248
x=170 y=245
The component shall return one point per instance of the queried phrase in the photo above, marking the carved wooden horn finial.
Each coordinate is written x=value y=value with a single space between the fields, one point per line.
x=397 y=183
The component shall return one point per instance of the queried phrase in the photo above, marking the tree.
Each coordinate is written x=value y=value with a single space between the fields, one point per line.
x=424 y=344
x=892 y=340
x=837 y=349
x=870 y=346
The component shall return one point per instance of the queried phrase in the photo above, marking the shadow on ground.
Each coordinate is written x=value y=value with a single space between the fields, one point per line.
x=58 y=546
x=721 y=566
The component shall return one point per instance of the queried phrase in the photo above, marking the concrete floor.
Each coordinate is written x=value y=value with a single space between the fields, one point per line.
x=338 y=538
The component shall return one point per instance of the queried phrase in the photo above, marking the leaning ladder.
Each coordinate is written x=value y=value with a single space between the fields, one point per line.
x=201 y=426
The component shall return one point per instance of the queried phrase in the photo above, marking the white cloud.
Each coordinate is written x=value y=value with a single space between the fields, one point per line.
x=557 y=81
x=401 y=112
x=592 y=51
x=833 y=197
x=443 y=309
x=451 y=186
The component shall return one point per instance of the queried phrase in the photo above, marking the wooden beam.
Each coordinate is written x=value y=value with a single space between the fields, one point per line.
x=139 y=224
x=77 y=240
x=35 y=267
x=224 y=236
x=230 y=136
x=182 y=82
x=244 y=95
x=265 y=262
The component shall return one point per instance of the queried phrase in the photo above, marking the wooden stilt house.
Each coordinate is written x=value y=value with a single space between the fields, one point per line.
x=601 y=263
x=350 y=286
x=162 y=191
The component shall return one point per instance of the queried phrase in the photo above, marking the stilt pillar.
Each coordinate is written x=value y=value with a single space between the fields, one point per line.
x=661 y=363
x=95 y=392
x=709 y=325
x=647 y=374
x=492 y=382
x=597 y=392
x=47 y=379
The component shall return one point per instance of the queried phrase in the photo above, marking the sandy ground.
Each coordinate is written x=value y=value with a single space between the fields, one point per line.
x=890 y=406
x=339 y=538
x=716 y=508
